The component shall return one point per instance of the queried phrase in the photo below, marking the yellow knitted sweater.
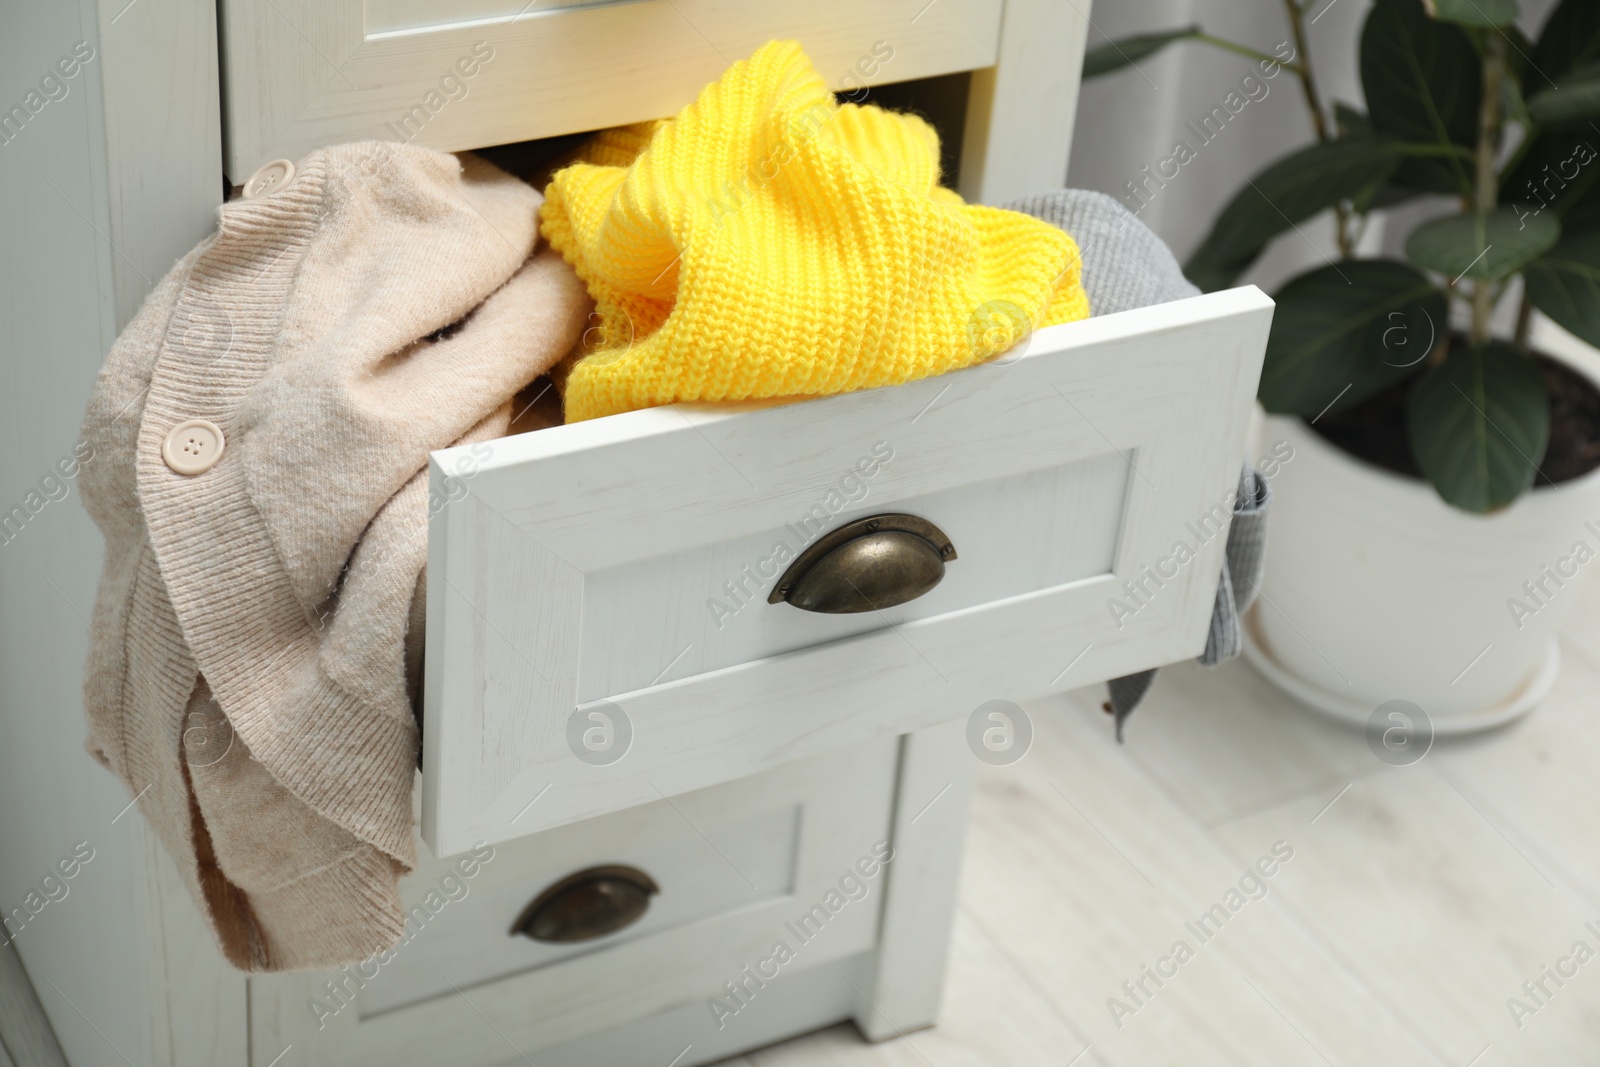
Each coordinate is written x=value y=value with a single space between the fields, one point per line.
x=769 y=241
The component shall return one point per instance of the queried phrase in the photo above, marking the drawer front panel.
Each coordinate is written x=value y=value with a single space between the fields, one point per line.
x=454 y=74
x=707 y=608
x=744 y=859
x=740 y=867
x=571 y=648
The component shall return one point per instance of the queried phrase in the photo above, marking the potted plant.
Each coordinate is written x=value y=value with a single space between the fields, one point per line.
x=1429 y=537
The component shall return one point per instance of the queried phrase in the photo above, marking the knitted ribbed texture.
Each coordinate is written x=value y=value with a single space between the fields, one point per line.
x=769 y=241
x=1125 y=265
x=248 y=671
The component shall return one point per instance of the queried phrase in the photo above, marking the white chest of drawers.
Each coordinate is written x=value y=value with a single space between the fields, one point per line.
x=770 y=749
x=744 y=758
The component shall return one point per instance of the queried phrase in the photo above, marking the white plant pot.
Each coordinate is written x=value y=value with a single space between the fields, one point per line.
x=1376 y=590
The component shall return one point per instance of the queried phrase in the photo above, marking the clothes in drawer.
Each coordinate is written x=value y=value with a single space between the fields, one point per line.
x=454 y=74
x=599 y=626
x=795 y=856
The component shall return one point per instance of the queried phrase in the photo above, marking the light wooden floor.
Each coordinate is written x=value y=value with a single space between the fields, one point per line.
x=1418 y=899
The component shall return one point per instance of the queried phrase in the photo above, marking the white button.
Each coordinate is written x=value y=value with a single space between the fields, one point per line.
x=269 y=178
x=193 y=447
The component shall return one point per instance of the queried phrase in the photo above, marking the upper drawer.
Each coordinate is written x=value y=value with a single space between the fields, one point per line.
x=599 y=631
x=454 y=74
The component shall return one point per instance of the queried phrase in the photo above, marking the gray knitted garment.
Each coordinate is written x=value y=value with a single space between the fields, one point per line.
x=1126 y=266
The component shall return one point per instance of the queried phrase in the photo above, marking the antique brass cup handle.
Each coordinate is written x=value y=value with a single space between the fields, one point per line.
x=589 y=904
x=872 y=563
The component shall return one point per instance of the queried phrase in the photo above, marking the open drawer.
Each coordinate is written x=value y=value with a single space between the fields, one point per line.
x=599 y=633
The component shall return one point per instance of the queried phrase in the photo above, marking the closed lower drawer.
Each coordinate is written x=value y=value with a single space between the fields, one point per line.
x=455 y=74
x=792 y=856
x=599 y=631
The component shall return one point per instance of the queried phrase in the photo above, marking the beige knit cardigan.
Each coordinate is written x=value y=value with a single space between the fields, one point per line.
x=255 y=645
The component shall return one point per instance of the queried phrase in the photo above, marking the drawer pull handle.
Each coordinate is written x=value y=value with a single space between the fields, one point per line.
x=589 y=904
x=872 y=563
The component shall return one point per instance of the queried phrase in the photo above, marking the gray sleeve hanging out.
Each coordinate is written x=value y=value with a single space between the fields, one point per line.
x=1126 y=266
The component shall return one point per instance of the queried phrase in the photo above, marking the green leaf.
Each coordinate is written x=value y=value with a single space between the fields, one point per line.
x=1519 y=55
x=1576 y=101
x=1557 y=171
x=1479 y=425
x=1344 y=332
x=1475 y=12
x=1385 y=195
x=1513 y=106
x=1114 y=55
x=1350 y=122
x=1285 y=194
x=1483 y=247
x=1570 y=39
x=1565 y=285
x=1582 y=215
x=1423 y=83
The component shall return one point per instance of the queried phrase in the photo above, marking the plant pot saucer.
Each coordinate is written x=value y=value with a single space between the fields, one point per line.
x=1258 y=653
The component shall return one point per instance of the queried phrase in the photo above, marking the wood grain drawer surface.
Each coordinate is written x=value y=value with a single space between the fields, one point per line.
x=576 y=649
x=454 y=74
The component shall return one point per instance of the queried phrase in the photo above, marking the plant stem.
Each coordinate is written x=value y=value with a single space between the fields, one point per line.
x=1244 y=50
x=1486 y=186
x=1524 y=322
x=1308 y=81
x=1319 y=118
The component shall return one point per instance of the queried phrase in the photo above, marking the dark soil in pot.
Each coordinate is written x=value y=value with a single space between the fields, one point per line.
x=1375 y=429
